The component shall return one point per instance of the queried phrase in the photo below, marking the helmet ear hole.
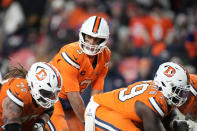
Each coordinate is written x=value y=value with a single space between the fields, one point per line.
x=163 y=84
x=160 y=88
x=31 y=84
x=49 y=84
x=83 y=35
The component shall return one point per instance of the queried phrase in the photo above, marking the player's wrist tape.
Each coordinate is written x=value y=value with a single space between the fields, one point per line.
x=39 y=120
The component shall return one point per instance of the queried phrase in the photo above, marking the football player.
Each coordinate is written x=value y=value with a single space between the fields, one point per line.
x=190 y=107
x=188 y=110
x=27 y=98
x=81 y=64
x=142 y=105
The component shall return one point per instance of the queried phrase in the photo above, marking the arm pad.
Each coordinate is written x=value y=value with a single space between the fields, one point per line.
x=13 y=127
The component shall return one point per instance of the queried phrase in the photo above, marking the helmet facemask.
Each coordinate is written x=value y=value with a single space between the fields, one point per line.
x=90 y=49
x=178 y=96
x=175 y=95
x=43 y=97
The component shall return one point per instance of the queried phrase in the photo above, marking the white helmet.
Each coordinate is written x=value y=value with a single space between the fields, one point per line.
x=45 y=83
x=96 y=27
x=173 y=81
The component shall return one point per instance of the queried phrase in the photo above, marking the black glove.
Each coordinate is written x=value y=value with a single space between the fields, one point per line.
x=179 y=125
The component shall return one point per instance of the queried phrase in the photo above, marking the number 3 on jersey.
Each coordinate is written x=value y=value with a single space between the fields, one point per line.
x=134 y=91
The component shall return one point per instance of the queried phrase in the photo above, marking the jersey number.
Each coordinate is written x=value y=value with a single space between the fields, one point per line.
x=136 y=90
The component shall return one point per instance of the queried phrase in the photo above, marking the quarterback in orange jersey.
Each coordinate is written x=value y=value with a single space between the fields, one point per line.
x=27 y=98
x=140 y=106
x=81 y=64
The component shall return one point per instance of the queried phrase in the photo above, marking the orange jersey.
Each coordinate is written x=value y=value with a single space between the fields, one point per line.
x=123 y=100
x=77 y=69
x=17 y=90
x=190 y=107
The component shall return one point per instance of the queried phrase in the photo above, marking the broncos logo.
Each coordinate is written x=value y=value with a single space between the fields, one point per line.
x=170 y=71
x=41 y=75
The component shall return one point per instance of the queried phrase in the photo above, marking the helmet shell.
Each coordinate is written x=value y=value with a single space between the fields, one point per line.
x=43 y=78
x=173 y=80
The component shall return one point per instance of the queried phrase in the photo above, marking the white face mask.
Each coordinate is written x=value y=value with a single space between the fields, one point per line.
x=90 y=49
x=178 y=96
x=45 y=98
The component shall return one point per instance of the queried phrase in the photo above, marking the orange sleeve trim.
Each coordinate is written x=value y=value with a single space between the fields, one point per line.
x=157 y=107
x=14 y=98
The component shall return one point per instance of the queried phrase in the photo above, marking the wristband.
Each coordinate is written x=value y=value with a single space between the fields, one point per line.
x=39 y=120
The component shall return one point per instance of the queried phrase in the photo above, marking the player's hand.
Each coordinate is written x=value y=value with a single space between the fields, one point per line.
x=38 y=127
x=179 y=125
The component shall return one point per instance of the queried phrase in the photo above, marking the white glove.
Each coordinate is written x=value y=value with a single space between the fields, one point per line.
x=192 y=125
x=38 y=127
x=194 y=128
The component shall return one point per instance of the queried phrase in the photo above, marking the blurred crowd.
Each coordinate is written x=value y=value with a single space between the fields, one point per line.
x=143 y=33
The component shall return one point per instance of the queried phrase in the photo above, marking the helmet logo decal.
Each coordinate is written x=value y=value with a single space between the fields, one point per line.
x=96 y=24
x=170 y=71
x=41 y=75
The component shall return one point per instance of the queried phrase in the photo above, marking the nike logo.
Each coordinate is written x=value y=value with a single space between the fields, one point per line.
x=193 y=82
x=74 y=57
x=16 y=92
